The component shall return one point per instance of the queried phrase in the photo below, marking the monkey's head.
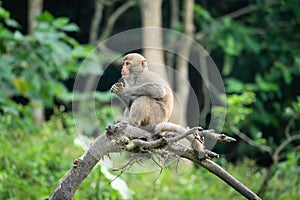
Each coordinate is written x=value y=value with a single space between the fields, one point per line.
x=133 y=65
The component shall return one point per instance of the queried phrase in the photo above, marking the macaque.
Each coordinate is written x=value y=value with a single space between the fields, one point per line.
x=148 y=98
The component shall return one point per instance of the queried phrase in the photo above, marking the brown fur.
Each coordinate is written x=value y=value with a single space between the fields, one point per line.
x=148 y=97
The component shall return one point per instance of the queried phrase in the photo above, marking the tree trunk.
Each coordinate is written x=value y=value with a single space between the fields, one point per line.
x=96 y=20
x=174 y=14
x=152 y=37
x=35 y=8
x=183 y=86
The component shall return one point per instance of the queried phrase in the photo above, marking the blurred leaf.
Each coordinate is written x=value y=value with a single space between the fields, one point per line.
x=45 y=16
x=12 y=23
x=228 y=64
x=4 y=14
x=82 y=51
x=234 y=85
x=230 y=45
x=19 y=36
x=60 y=22
x=21 y=84
x=103 y=96
x=70 y=28
x=265 y=85
x=70 y=41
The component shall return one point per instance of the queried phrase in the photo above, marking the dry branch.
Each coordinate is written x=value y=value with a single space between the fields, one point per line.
x=123 y=136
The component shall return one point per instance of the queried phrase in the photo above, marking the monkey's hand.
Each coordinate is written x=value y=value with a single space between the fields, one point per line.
x=117 y=88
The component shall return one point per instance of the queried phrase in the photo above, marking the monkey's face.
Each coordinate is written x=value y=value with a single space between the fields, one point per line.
x=127 y=67
x=133 y=65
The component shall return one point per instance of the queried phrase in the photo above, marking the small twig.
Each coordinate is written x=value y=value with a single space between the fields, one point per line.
x=125 y=166
x=248 y=9
x=138 y=161
x=237 y=13
x=184 y=135
x=113 y=18
x=117 y=176
x=217 y=136
x=293 y=149
x=160 y=142
x=177 y=165
x=96 y=21
x=247 y=139
x=283 y=145
x=288 y=127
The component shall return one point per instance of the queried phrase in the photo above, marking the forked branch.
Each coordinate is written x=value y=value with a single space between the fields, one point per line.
x=123 y=136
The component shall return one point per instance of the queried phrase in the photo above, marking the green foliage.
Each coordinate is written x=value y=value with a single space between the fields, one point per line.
x=189 y=182
x=286 y=181
x=32 y=165
x=238 y=107
x=16 y=116
x=25 y=168
x=34 y=66
x=260 y=62
x=294 y=109
x=33 y=159
x=260 y=56
x=33 y=162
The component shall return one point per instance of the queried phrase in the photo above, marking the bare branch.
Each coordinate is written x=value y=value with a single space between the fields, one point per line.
x=293 y=149
x=251 y=142
x=96 y=20
x=119 y=136
x=82 y=167
x=107 y=2
x=283 y=145
x=288 y=127
x=113 y=18
x=237 y=13
x=221 y=173
x=248 y=9
x=219 y=137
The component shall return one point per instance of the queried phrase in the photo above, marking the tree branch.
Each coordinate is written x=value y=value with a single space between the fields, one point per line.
x=82 y=167
x=283 y=145
x=96 y=20
x=237 y=13
x=113 y=18
x=125 y=136
x=229 y=179
x=288 y=127
x=251 y=142
x=248 y=9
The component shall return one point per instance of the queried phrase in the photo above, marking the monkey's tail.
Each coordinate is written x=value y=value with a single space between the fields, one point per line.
x=168 y=127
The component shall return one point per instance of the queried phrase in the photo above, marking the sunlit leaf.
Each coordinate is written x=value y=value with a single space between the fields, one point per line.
x=21 y=84
x=45 y=16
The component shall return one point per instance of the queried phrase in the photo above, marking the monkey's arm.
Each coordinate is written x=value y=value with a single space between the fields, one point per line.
x=152 y=90
x=121 y=92
x=129 y=94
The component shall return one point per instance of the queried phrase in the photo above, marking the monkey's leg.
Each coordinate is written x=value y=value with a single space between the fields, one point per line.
x=139 y=111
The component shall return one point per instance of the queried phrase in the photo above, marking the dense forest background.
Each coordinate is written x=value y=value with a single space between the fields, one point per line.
x=254 y=44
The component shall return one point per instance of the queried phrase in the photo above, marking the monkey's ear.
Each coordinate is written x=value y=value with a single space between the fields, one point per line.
x=144 y=63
